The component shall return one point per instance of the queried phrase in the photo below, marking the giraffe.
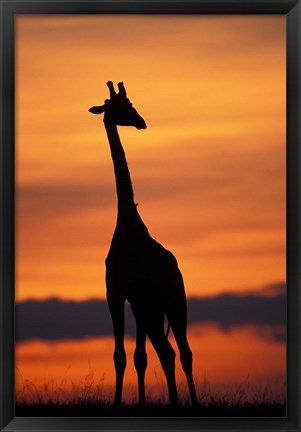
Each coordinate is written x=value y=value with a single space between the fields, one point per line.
x=141 y=271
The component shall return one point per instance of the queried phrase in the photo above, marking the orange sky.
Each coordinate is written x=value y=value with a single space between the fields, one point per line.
x=208 y=173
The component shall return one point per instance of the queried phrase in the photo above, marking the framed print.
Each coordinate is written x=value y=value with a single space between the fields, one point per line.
x=150 y=207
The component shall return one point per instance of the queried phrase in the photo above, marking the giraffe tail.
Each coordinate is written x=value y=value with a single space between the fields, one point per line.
x=168 y=328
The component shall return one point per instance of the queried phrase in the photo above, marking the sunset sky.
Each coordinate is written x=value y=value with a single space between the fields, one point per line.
x=208 y=172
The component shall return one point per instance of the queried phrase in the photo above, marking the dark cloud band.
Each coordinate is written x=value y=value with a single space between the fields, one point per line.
x=56 y=319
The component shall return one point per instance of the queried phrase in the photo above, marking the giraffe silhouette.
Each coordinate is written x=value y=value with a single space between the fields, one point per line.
x=141 y=271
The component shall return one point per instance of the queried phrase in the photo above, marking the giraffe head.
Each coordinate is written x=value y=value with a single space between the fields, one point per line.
x=118 y=109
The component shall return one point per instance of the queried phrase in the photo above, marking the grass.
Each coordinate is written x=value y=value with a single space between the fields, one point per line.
x=89 y=400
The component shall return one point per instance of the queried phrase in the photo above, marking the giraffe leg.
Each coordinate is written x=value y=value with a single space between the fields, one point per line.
x=178 y=321
x=117 y=314
x=167 y=356
x=151 y=318
x=140 y=361
x=186 y=361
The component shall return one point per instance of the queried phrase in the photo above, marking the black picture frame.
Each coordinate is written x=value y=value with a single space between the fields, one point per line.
x=9 y=9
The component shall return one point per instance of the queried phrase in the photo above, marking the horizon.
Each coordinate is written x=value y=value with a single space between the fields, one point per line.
x=53 y=319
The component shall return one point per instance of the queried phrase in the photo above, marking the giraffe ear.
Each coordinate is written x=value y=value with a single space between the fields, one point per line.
x=97 y=109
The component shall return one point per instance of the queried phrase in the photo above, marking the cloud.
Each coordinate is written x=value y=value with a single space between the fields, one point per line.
x=249 y=180
x=218 y=33
x=56 y=319
x=55 y=200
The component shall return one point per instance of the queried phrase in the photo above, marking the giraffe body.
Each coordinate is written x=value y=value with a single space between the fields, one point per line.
x=145 y=268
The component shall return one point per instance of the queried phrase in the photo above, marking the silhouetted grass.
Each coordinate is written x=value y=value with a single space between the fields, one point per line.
x=87 y=400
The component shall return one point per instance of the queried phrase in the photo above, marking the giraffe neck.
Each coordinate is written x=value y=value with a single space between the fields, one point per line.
x=124 y=188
